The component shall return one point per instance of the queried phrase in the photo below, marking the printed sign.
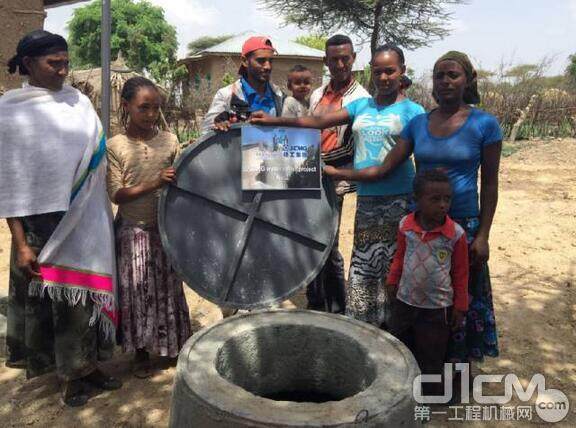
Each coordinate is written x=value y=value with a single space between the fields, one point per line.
x=280 y=158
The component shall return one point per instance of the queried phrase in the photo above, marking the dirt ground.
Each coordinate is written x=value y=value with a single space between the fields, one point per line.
x=533 y=265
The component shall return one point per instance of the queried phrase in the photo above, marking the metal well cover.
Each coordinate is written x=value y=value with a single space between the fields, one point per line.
x=242 y=249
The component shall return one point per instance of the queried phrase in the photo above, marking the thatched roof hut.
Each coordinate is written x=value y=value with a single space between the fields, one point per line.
x=89 y=82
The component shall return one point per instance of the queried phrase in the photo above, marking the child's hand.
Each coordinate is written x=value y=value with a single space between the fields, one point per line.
x=458 y=318
x=166 y=176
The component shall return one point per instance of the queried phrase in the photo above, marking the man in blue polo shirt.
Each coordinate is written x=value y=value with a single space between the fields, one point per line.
x=252 y=92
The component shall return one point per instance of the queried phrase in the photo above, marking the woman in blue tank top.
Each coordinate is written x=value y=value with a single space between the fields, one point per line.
x=460 y=140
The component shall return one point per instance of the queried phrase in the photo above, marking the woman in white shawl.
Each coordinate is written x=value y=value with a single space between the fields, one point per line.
x=62 y=304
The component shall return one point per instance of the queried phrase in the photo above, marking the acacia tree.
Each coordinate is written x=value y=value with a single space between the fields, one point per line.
x=408 y=23
x=314 y=41
x=205 y=42
x=139 y=30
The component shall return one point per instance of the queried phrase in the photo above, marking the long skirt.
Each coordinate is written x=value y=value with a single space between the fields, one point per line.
x=154 y=314
x=49 y=335
x=375 y=232
x=478 y=337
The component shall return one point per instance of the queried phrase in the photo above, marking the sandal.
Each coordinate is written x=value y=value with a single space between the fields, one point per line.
x=16 y=364
x=142 y=367
x=143 y=370
x=73 y=394
x=102 y=381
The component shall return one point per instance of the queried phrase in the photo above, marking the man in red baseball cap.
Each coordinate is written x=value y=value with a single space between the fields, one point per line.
x=252 y=92
x=254 y=44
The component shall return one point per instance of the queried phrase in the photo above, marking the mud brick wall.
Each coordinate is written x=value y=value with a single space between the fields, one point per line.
x=17 y=17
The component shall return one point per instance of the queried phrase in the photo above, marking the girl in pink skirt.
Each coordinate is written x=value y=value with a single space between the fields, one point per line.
x=154 y=314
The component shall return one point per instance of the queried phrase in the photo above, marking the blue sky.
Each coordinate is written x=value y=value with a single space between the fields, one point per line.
x=490 y=31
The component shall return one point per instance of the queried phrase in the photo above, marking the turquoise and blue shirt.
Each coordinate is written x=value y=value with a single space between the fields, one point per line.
x=259 y=102
x=374 y=127
x=459 y=155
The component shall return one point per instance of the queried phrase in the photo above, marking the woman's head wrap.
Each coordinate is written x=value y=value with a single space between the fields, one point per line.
x=471 y=95
x=34 y=44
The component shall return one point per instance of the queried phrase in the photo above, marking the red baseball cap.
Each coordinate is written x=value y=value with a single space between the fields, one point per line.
x=255 y=43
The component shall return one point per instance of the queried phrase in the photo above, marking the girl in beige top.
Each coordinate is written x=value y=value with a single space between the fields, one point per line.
x=153 y=311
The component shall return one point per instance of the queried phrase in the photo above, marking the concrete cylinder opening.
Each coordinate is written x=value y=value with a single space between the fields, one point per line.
x=296 y=363
x=293 y=368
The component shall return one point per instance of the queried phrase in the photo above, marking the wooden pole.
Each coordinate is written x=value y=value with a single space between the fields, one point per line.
x=105 y=60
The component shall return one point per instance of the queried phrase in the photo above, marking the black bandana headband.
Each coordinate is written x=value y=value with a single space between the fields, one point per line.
x=34 y=44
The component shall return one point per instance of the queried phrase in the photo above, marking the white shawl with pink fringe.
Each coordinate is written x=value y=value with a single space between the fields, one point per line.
x=53 y=158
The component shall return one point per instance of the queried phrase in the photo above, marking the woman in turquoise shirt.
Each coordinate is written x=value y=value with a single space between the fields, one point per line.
x=461 y=140
x=382 y=203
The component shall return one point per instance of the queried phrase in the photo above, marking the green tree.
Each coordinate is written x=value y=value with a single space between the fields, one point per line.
x=314 y=41
x=523 y=72
x=558 y=82
x=571 y=70
x=408 y=23
x=364 y=77
x=205 y=42
x=139 y=30
x=484 y=74
x=228 y=79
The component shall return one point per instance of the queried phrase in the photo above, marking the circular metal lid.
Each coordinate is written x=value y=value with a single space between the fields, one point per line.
x=236 y=248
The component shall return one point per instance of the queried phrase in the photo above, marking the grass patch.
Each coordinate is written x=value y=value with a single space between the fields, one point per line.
x=508 y=149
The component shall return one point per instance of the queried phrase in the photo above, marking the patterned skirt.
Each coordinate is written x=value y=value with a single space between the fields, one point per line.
x=154 y=314
x=478 y=337
x=375 y=230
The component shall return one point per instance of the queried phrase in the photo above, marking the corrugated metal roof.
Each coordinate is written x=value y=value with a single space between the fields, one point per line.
x=284 y=47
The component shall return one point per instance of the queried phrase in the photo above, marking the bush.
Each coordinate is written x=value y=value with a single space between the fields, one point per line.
x=523 y=96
